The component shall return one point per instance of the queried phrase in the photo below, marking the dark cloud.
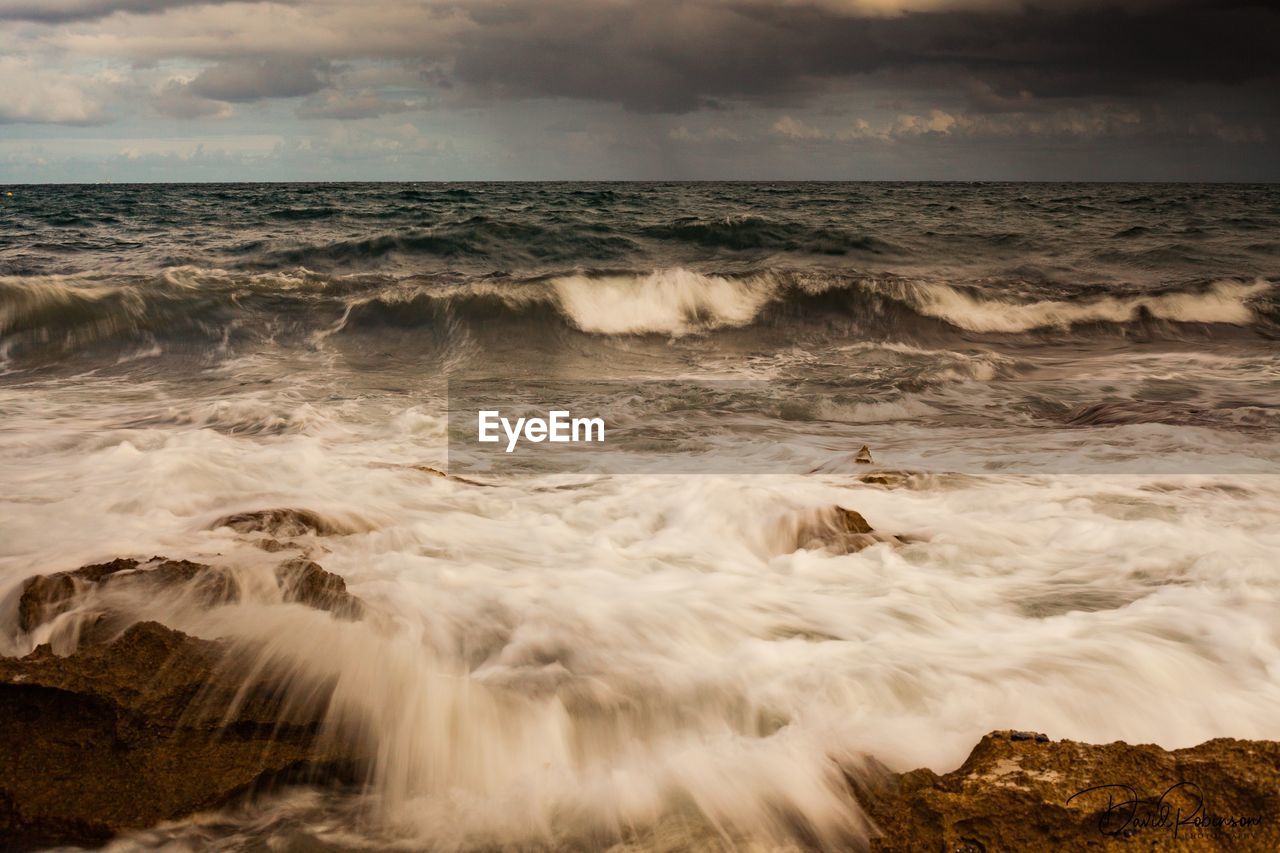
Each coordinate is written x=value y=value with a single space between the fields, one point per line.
x=1140 y=87
x=254 y=79
x=59 y=11
x=666 y=56
x=176 y=100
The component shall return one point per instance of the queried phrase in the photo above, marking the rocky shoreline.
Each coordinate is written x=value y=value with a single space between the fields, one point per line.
x=1022 y=791
x=142 y=723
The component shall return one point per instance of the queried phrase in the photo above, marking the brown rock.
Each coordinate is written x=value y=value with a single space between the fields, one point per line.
x=130 y=733
x=44 y=597
x=307 y=583
x=278 y=523
x=889 y=479
x=1017 y=791
x=849 y=521
x=274 y=546
x=436 y=472
x=832 y=528
x=285 y=522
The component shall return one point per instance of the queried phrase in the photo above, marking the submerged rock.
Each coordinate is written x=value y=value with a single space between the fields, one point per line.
x=45 y=597
x=834 y=528
x=458 y=478
x=1020 y=791
x=148 y=727
x=889 y=479
x=286 y=522
x=307 y=583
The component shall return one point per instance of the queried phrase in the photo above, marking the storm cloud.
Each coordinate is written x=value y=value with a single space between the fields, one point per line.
x=677 y=57
x=76 y=10
x=255 y=79
x=740 y=81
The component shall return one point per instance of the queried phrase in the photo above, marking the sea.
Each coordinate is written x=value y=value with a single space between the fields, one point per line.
x=1070 y=394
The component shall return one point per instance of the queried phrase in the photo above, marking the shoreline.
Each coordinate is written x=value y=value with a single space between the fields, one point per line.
x=144 y=724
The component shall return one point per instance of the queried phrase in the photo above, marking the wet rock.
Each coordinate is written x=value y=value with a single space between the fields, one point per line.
x=1019 y=791
x=457 y=478
x=1038 y=737
x=149 y=727
x=835 y=529
x=274 y=546
x=889 y=479
x=286 y=522
x=45 y=597
x=431 y=471
x=305 y=582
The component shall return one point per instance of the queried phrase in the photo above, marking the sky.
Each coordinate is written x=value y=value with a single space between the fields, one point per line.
x=199 y=90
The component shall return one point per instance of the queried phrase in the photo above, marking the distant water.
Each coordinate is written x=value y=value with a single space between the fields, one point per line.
x=644 y=656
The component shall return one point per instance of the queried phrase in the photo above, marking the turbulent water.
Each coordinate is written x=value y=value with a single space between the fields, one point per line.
x=1085 y=380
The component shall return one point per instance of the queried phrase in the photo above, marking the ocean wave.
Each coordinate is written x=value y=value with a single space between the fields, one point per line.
x=476 y=237
x=1224 y=302
x=68 y=313
x=679 y=301
x=742 y=233
x=671 y=302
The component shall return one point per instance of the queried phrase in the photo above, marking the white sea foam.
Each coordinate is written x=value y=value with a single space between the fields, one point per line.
x=673 y=301
x=542 y=665
x=1224 y=302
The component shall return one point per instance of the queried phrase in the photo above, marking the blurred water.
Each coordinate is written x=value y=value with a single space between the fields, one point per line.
x=577 y=659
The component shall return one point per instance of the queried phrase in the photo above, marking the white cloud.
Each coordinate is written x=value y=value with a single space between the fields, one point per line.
x=1074 y=122
x=392 y=144
x=710 y=134
x=794 y=129
x=37 y=95
x=316 y=30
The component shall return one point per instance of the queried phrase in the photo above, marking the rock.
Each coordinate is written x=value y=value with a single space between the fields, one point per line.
x=143 y=729
x=919 y=481
x=431 y=471
x=1035 y=736
x=889 y=479
x=273 y=546
x=850 y=521
x=863 y=457
x=307 y=583
x=285 y=522
x=44 y=597
x=835 y=528
x=1019 y=791
x=436 y=472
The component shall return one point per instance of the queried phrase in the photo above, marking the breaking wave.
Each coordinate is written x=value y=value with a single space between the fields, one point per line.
x=67 y=314
x=668 y=302
x=1224 y=302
